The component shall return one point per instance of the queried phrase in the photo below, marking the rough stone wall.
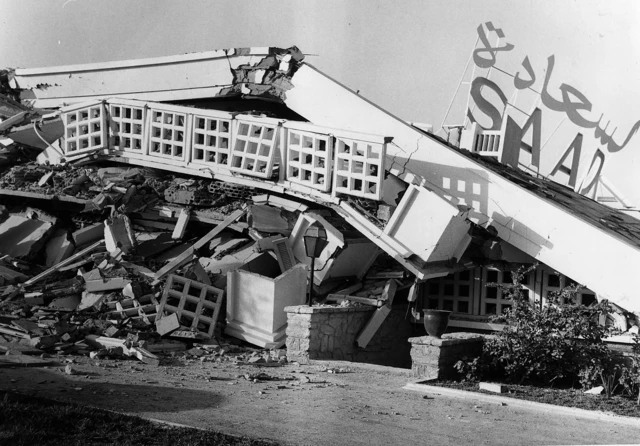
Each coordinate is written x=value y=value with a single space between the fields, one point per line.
x=434 y=358
x=331 y=332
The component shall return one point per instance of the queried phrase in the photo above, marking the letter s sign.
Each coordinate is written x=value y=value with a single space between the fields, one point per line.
x=484 y=105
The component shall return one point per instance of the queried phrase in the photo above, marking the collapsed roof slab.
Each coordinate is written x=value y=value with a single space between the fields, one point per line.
x=549 y=231
x=182 y=77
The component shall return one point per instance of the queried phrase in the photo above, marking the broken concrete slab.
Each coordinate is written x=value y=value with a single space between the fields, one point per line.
x=66 y=303
x=118 y=234
x=91 y=300
x=268 y=219
x=58 y=248
x=114 y=283
x=22 y=237
x=167 y=324
x=181 y=225
x=39 y=135
x=88 y=234
x=372 y=327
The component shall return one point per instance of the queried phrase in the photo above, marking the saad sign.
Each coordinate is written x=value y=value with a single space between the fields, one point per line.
x=565 y=99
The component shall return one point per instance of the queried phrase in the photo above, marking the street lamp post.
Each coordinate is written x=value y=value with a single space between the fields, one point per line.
x=315 y=240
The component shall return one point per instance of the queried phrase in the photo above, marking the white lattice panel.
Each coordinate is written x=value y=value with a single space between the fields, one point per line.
x=126 y=123
x=193 y=302
x=254 y=149
x=211 y=140
x=309 y=157
x=359 y=168
x=84 y=129
x=167 y=135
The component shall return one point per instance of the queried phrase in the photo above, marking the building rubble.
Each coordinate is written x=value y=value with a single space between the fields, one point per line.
x=129 y=262
x=167 y=213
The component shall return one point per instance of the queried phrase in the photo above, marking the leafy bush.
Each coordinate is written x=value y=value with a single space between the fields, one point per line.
x=561 y=341
x=630 y=375
x=471 y=369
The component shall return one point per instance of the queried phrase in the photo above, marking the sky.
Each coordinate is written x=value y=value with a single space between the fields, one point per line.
x=407 y=56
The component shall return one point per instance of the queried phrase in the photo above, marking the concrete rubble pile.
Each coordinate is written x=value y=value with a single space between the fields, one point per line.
x=161 y=206
x=108 y=261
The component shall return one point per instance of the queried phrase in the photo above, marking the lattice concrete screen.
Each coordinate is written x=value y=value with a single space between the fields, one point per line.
x=192 y=301
x=255 y=146
x=452 y=293
x=84 y=128
x=309 y=157
x=211 y=140
x=167 y=137
x=126 y=126
x=359 y=168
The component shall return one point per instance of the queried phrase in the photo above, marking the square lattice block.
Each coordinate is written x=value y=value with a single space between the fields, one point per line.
x=254 y=150
x=359 y=168
x=126 y=126
x=167 y=134
x=195 y=303
x=212 y=139
x=309 y=158
x=84 y=128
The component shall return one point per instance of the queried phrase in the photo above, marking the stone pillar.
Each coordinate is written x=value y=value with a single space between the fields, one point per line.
x=324 y=332
x=330 y=332
x=434 y=358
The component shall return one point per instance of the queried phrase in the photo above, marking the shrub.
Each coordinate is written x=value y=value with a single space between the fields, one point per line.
x=630 y=374
x=561 y=341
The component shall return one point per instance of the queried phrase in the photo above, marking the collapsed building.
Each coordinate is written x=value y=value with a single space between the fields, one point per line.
x=262 y=146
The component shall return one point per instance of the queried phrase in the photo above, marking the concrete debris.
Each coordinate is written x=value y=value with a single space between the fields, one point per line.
x=595 y=391
x=105 y=253
x=492 y=387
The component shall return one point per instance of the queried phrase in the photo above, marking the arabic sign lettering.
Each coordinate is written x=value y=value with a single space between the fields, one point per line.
x=573 y=102
x=568 y=100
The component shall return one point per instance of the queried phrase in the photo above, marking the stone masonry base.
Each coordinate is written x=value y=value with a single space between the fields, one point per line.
x=330 y=332
x=434 y=358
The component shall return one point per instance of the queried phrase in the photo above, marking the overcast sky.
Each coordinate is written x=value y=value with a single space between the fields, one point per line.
x=407 y=56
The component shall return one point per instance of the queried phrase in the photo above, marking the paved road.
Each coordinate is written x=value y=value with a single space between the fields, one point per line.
x=306 y=405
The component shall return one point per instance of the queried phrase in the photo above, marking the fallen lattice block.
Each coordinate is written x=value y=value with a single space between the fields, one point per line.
x=192 y=301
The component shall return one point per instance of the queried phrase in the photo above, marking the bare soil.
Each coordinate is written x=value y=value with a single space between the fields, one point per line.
x=302 y=404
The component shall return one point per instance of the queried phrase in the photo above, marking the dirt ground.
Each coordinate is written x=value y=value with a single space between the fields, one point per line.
x=303 y=404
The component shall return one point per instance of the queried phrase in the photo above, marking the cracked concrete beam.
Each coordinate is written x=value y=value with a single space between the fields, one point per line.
x=181 y=77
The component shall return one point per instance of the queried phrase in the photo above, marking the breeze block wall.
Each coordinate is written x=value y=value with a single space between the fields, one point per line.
x=330 y=332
